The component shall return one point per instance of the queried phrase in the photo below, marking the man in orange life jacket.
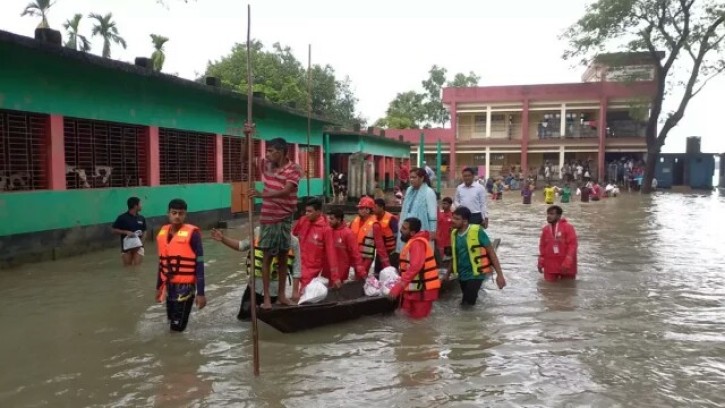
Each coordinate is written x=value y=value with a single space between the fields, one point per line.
x=557 y=247
x=389 y=226
x=419 y=281
x=346 y=248
x=181 y=267
x=369 y=234
x=316 y=246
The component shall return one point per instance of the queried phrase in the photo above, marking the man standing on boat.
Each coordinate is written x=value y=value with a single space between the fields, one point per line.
x=472 y=196
x=557 y=247
x=317 y=247
x=474 y=258
x=255 y=262
x=369 y=234
x=419 y=280
x=346 y=247
x=281 y=177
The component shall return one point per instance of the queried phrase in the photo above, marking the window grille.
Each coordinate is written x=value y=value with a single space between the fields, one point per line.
x=23 y=157
x=314 y=153
x=186 y=157
x=104 y=154
x=235 y=156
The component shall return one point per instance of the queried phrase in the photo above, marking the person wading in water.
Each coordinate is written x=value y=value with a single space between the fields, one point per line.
x=557 y=247
x=181 y=267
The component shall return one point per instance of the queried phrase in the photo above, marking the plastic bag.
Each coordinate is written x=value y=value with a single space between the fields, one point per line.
x=388 y=273
x=132 y=243
x=372 y=286
x=315 y=292
x=389 y=284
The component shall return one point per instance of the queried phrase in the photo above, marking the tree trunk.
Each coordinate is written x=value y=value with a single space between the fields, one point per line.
x=653 y=156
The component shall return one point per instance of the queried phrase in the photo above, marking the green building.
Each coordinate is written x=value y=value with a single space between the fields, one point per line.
x=79 y=134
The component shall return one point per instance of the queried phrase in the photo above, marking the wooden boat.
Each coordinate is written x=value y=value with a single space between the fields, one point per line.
x=341 y=305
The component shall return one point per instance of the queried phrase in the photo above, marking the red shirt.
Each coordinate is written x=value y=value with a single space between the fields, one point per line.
x=417 y=261
x=316 y=245
x=276 y=209
x=348 y=253
x=558 y=248
x=404 y=173
x=443 y=232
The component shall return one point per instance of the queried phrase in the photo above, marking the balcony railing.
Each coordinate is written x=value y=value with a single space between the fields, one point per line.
x=626 y=128
x=498 y=131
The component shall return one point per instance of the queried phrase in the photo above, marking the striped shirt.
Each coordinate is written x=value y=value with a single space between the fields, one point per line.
x=277 y=209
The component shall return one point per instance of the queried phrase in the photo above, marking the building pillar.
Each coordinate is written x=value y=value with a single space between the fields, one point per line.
x=219 y=158
x=602 y=137
x=525 y=138
x=453 y=172
x=56 y=153
x=452 y=146
x=153 y=156
x=488 y=121
x=562 y=124
x=488 y=162
x=562 y=156
x=321 y=164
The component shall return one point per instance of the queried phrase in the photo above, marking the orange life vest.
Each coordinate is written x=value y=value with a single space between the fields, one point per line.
x=388 y=236
x=428 y=278
x=177 y=262
x=364 y=234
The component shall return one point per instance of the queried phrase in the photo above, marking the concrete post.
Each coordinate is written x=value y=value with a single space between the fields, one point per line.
x=56 y=153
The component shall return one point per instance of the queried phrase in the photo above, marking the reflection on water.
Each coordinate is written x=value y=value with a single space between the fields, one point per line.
x=641 y=327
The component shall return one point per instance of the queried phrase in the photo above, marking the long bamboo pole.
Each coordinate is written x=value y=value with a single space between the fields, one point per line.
x=249 y=129
x=309 y=113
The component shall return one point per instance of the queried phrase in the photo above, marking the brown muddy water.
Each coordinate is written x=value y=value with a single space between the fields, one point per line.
x=642 y=327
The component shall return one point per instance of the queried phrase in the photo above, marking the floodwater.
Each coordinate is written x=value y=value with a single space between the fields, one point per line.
x=642 y=327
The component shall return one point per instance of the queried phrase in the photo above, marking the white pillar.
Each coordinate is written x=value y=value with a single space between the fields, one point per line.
x=563 y=120
x=488 y=159
x=561 y=162
x=488 y=122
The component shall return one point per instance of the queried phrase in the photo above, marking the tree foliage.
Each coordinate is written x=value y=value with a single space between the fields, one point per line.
x=413 y=110
x=283 y=79
x=159 y=56
x=106 y=28
x=38 y=8
x=76 y=41
x=691 y=34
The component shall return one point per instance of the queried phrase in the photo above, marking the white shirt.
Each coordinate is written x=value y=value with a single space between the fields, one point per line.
x=473 y=198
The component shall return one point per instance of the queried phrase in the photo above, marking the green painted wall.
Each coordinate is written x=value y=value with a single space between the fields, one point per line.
x=47 y=210
x=35 y=81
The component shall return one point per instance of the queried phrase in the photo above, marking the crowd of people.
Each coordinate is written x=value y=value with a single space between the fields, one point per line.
x=426 y=242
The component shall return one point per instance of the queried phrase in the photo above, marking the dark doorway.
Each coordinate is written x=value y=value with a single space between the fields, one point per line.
x=678 y=172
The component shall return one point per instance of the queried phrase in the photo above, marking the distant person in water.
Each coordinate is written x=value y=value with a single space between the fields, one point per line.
x=526 y=193
x=549 y=193
x=558 y=247
x=131 y=226
x=584 y=193
x=565 y=193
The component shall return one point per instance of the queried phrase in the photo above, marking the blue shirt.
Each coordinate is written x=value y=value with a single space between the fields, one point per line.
x=465 y=269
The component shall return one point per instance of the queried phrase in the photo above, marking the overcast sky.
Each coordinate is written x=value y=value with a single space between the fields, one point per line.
x=385 y=47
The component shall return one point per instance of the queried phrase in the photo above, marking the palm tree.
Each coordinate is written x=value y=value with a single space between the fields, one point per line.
x=106 y=29
x=38 y=8
x=71 y=26
x=158 y=57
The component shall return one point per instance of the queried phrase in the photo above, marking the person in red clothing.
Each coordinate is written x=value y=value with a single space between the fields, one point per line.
x=369 y=234
x=418 y=271
x=316 y=244
x=348 y=253
x=404 y=176
x=557 y=247
x=445 y=225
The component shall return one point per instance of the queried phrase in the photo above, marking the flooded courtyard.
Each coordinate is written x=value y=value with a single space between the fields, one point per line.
x=642 y=326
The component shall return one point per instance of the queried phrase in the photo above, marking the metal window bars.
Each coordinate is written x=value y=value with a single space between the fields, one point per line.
x=23 y=152
x=186 y=157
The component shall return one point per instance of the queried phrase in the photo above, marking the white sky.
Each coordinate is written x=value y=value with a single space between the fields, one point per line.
x=385 y=47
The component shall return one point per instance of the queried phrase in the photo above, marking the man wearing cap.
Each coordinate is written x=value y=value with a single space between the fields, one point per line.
x=369 y=234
